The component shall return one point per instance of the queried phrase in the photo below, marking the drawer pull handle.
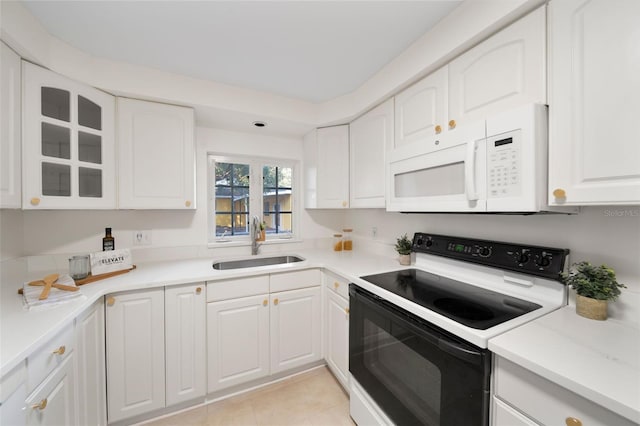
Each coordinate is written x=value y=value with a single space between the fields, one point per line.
x=572 y=421
x=60 y=351
x=111 y=301
x=336 y=285
x=265 y=302
x=276 y=301
x=198 y=290
x=41 y=405
x=438 y=129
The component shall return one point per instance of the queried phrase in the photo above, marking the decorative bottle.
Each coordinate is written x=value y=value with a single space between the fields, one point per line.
x=108 y=242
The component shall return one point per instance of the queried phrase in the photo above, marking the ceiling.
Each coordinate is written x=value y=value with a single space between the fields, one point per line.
x=308 y=50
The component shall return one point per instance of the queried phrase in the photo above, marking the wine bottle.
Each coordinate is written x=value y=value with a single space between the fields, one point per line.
x=108 y=242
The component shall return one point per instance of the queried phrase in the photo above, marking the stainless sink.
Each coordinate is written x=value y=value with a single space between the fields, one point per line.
x=255 y=262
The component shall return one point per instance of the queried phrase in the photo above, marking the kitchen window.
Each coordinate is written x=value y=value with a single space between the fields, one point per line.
x=241 y=188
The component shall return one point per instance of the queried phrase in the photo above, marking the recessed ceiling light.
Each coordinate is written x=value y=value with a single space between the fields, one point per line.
x=259 y=123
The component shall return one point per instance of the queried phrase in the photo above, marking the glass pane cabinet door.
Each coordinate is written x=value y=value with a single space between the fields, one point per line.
x=69 y=143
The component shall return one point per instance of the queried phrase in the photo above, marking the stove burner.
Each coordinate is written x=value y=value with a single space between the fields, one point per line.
x=463 y=309
x=470 y=305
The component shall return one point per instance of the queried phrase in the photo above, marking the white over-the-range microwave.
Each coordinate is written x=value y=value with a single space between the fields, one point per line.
x=497 y=165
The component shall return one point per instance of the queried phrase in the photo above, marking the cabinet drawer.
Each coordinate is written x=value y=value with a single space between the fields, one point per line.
x=546 y=402
x=293 y=280
x=53 y=402
x=49 y=356
x=234 y=288
x=337 y=284
x=504 y=415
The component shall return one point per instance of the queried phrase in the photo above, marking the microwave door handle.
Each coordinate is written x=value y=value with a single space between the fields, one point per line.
x=470 y=171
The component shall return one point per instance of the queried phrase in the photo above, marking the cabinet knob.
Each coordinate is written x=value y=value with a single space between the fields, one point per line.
x=346 y=311
x=35 y=201
x=60 y=351
x=572 y=421
x=344 y=204
x=198 y=290
x=111 y=301
x=336 y=285
x=452 y=124
x=276 y=301
x=265 y=302
x=187 y=203
x=559 y=193
x=41 y=405
x=438 y=129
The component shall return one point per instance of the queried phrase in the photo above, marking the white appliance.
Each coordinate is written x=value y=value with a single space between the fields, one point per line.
x=497 y=165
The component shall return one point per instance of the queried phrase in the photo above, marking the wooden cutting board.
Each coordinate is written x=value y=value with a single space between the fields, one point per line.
x=92 y=278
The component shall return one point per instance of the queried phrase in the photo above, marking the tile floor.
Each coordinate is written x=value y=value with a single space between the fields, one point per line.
x=313 y=398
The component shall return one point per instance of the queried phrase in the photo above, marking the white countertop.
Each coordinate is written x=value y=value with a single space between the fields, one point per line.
x=598 y=360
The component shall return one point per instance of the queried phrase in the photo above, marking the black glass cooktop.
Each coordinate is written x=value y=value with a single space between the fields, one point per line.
x=469 y=305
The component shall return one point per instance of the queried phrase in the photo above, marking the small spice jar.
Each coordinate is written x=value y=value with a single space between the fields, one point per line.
x=347 y=242
x=337 y=242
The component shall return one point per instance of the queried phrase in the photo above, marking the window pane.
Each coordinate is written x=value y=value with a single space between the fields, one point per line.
x=55 y=103
x=277 y=199
x=56 y=141
x=232 y=198
x=56 y=179
x=89 y=147
x=89 y=113
x=90 y=182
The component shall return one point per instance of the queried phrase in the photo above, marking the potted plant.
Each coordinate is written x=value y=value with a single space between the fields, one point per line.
x=263 y=231
x=594 y=285
x=403 y=247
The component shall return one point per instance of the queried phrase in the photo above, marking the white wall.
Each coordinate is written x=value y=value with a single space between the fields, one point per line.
x=73 y=231
x=609 y=235
x=11 y=234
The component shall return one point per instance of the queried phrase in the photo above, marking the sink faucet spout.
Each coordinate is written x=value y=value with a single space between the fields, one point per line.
x=255 y=234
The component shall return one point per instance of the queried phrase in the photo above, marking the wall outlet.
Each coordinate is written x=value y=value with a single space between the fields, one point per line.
x=142 y=238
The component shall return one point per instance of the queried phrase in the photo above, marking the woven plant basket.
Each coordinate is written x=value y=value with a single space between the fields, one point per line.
x=591 y=308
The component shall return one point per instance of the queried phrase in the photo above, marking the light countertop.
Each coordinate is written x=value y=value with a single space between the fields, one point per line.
x=598 y=360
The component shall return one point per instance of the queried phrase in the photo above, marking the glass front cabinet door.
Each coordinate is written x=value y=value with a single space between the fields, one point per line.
x=68 y=143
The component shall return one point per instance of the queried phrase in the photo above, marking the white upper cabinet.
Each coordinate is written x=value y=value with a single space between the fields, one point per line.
x=327 y=168
x=594 y=141
x=10 y=110
x=369 y=137
x=420 y=115
x=504 y=71
x=156 y=158
x=68 y=143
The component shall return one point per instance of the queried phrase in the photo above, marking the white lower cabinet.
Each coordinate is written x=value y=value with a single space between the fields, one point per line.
x=524 y=398
x=337 y=337
x=54 y=401
x=185 y=343
x=238 y=339
x=135 y=353
x=13 y=392
x=295 y=328
x=92 y=392
x=252 y=333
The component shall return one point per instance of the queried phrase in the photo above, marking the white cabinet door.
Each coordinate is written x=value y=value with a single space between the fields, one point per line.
x=337 y=349
x=10 y=143
x=68 y=143
x=185 y=342
x=135 y=353
x=54 y=401
x=237 y=341
x=505 y=415
x=506 y=70
x=92 y=393
x=13 y=392
x=420 y=115
x=295 y=328
x=327 y=168
x=156 y=158
x=594 y=149
x=369 y=137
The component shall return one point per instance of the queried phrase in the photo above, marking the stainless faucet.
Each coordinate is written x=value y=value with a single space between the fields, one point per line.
x=255 y=234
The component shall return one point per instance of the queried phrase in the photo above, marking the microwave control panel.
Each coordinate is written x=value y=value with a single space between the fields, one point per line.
x=504 y=153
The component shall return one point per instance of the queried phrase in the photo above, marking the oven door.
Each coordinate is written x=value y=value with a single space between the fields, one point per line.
x=447 y=177
x=415 y=372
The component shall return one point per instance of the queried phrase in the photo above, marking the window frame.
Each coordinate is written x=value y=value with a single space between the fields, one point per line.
x=256 y=200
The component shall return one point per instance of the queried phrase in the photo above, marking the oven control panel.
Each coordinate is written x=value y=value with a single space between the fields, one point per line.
x=534 y=260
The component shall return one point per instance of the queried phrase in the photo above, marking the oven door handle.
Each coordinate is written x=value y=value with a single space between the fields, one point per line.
x=468 y=355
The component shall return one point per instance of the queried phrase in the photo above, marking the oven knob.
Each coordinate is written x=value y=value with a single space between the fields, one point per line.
x=419 y=242
x=429 y=243
x=522 y=258
x=543 y=261
x=485 y=252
